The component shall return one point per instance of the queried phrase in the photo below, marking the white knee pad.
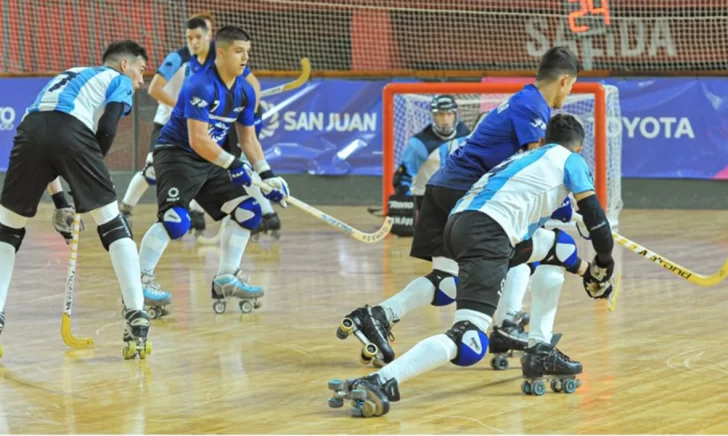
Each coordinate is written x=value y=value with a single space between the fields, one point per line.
x=543 y=242
x=104 y=214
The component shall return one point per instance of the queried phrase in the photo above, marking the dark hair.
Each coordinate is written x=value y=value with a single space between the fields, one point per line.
x=197 y=23
x=206 y=15
x=566 y=130
x=556 y=62
x=228 y=34
x=126 y=47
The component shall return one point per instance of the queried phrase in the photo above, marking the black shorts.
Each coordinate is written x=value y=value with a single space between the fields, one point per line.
x=156 y=131
x=482 y=250
x=437 y=203
x=52 y=144
x=183 y=177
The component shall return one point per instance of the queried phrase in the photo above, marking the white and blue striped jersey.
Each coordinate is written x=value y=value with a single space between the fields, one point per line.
x=84 y=92
x=523 y=191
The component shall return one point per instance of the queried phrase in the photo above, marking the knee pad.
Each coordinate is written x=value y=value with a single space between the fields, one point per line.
x=563 y=253
x=113 y=230
x=12 y=236
x=149 y=175
x=445 y=287
x=471 y=342
x=176 y=221
x=247 y=214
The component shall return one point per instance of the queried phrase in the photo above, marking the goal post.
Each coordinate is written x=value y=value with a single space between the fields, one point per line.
x=588 y=101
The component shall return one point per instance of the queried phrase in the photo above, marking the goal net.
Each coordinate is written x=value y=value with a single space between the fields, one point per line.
x=407 y=111
x=392 y=37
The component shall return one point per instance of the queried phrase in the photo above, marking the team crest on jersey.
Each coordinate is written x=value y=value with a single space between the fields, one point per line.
x=198 y=102
x=237 y=110
x=538 y=123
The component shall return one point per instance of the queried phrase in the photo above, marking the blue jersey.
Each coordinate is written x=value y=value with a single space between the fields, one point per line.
x=84 y=92
x=503 y=132
x=205 y=98
x=522 y=192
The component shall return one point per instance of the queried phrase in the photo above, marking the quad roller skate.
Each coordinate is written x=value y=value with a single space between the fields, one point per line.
x=197 y=220
x=228 y=286
x=270 y=225
x=155 y=300
x=136 y=330
x=508 y=338
x=544 y=362
x=369 y=396
x=369 y=324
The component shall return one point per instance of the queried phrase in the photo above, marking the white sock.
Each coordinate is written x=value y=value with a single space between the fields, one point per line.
x=195 y=206
x=7 y=264
x=7 y=252
x=427 y=355
x=125 y=260
x=511 y=302
x=153 y=245
x=233 y=241
x=265 y=205
x=546 y=287
x=418 y=293
x=136 y=189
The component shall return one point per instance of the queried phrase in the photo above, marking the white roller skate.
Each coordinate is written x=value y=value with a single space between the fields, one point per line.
x=228 y=286
x=136 y=330
x=155 y=300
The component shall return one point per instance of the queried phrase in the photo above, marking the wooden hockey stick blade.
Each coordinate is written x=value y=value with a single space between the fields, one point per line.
x=303 y=78
x=612 y=302
x=360 y=236
x=68 y=337
x=678 y=270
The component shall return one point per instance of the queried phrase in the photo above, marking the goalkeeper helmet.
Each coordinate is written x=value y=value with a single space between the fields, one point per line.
x=442 y=123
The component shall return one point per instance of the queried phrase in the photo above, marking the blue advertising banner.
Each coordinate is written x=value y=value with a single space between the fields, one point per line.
x=15 y=96
x=326 y=127
x=674 y=127
x=671 y=127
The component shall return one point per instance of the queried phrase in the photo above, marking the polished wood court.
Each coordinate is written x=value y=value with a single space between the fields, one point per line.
x=658 y=363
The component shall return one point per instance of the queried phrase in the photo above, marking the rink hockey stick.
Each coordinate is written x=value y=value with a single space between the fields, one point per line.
x=678 y=270
x=303 y=78
x=360 y=236
x=66 y=333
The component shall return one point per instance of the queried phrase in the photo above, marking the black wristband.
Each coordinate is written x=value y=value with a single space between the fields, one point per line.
x=236 y=163
x=59 y=199
x=267 y=174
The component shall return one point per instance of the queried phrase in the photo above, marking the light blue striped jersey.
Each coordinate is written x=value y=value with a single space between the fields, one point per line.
x=84 y=92
x=523 y=191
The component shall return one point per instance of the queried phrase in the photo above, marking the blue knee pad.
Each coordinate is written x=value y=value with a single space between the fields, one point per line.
x=149 y=175
x=247 y=214
x=471 y=342
x=445 y=287
x=176 y=221
x=564 y=252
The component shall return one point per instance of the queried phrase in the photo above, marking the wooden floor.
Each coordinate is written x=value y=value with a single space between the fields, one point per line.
x=658 y=364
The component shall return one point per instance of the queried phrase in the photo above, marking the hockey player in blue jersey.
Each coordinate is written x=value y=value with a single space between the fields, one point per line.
x=501 y=210
x=190 y=164
x=516 y=125
x=67 y=132
x=196 y=56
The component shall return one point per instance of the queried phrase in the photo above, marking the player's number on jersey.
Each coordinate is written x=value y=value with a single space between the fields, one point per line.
x=64 y=78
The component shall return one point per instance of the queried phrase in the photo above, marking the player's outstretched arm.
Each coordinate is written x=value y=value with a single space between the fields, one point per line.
x=169 y=67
